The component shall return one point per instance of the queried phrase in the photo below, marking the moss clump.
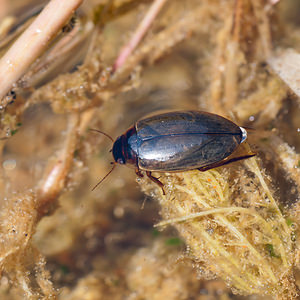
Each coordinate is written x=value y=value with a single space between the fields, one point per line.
x=232 y=227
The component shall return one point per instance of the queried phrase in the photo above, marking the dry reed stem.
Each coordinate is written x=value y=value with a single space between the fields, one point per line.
x=232 y=63
x=218 y=66
x=231 y=75
x=264 y=28
x=33 y=42
x=70 y=42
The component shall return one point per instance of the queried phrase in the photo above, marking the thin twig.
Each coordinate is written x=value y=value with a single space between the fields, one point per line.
x=139 y=33
x=264 y=27
x=33 y=41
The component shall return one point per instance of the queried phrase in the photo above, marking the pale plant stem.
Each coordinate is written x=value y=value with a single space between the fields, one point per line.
x=3 y=8
x=273 y=2
x=263 y=26
x=54 y=180
x=139 y=33
x=34 y=41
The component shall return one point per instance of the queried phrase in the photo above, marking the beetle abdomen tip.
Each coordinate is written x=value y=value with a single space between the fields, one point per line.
x=244 y=134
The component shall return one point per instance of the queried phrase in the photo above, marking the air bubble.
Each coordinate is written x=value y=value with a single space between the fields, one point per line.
x=9 y=164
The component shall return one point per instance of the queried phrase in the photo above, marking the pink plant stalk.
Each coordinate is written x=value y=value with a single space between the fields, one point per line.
x=139 y=33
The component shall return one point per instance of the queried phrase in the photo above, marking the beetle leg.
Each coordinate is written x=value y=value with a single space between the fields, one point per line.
x=156 y=180
x=225 y=162
x=138 y=172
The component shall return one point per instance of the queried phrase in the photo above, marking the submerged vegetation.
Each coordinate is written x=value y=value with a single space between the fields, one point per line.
x=230 y=232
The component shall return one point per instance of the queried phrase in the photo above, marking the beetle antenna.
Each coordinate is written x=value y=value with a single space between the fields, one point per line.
x=107 y=135
x=104 y=177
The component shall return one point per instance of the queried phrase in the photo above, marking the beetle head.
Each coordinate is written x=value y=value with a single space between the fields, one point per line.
x=118 y=151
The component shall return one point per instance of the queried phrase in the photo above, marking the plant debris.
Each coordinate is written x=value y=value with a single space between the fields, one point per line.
x=231 y=230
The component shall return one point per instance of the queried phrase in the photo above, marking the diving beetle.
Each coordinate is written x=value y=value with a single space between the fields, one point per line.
x=178 y=141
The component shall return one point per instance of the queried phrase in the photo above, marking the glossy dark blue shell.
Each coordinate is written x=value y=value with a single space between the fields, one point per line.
x=184 y=140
